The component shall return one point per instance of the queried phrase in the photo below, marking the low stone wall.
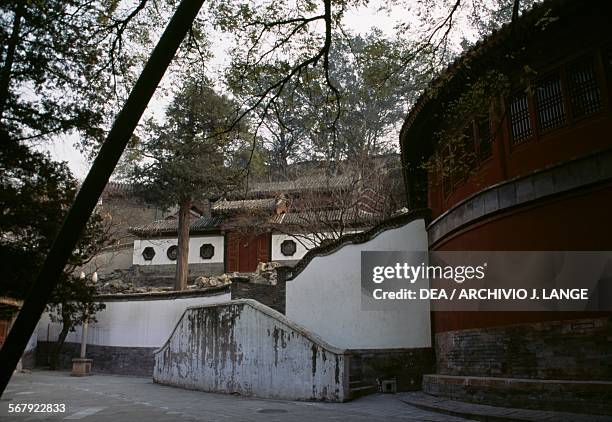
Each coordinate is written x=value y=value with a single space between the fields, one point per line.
x=28 y=359
x=407 y=366
x=151 y=274
x=106 y=359
x=564 y=350
x=267 y=294
x=593 y=397
x=247 y=348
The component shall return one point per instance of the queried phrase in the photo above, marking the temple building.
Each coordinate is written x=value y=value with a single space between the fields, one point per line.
x=275 y=219
x=511 y=149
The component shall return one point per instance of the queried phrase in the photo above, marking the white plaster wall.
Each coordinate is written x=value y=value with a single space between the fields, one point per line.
x=303 y=245
x=138 y=323
x=326 y=297
x=300 y=243
x=161 y=245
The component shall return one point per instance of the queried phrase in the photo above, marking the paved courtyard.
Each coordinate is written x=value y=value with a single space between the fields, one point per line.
x=116 y=398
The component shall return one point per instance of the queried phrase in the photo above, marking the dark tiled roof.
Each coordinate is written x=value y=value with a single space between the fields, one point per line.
x=115 y=188
x=316 y=182
x=311 y=218
x=246 y=204
x=169 y=227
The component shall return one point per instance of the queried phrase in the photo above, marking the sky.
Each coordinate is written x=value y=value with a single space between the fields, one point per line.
x=361 y=20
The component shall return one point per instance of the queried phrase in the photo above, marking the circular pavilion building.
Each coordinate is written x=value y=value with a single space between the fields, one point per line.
x=511 y=149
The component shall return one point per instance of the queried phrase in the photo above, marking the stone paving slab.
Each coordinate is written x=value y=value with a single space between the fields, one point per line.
x=483 y=412
x=120 y=398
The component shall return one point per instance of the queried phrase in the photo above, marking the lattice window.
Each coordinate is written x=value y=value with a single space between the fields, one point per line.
x=172 y=253
x=585 y=97
x=288 y=247
x=549 y=100
x=148 y=253
x=207 y=251
x=520 y=122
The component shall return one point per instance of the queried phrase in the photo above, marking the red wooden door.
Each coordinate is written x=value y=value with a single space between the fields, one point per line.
x=245 y=251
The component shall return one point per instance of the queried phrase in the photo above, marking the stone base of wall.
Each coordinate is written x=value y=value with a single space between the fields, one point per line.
x=288 y=262
x=163 y=275
x=407 y=366
x=594 y=397
x=267 y=294
x=106 y=359
x=28 y=359
x=578 y=349
x=553 y=365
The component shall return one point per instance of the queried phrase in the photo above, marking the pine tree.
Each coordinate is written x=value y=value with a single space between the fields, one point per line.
x=186 y=159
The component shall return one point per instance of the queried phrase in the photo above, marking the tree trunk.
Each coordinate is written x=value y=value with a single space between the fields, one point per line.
x=54 y=358
x=5 y=75
x=182 y=264
x=515 y=10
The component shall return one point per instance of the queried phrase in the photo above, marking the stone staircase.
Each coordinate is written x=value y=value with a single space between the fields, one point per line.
x=359 y=388
x=359 y=385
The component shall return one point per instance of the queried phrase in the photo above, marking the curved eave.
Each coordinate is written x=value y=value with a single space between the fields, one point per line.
x=493 y=48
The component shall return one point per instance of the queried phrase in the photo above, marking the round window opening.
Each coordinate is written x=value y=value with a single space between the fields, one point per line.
x=207 y=251
x=172 y=253
x=288 y=247
x=148 y=253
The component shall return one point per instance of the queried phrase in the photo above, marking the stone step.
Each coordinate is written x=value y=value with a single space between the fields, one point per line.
x=481 y=412
x=575 y=396
x=357 y=392
x=357 y=383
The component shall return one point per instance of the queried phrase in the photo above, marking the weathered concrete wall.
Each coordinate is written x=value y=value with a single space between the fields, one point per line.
x=245 y=347
x=326 y=296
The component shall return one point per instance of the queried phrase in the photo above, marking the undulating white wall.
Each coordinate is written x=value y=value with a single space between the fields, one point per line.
x=325 y=297
x=161 y=245
x=135 y=323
